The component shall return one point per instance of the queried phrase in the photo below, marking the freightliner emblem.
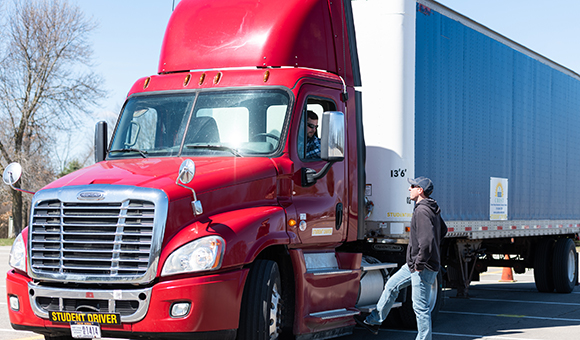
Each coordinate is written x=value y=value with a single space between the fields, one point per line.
x=91 y=195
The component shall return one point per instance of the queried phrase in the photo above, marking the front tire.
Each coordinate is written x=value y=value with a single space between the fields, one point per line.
x=564 y=265
x=261 y=312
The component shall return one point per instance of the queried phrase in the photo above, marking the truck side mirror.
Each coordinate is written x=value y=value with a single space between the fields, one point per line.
x=100 y=141
x=11 y=175
x=332 y=136
x=185 y=175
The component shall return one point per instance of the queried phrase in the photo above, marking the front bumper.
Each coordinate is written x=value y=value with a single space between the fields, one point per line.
x=215 y=304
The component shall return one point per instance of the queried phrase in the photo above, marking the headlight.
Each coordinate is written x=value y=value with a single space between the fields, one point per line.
x=202 y=254
x=18 y=254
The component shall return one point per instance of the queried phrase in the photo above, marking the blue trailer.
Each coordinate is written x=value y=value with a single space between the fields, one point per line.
x=492 y=123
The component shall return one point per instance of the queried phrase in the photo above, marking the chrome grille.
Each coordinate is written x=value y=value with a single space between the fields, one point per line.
x=110 y=240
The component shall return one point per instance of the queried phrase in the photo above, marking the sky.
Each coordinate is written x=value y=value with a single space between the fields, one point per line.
x=128 y=41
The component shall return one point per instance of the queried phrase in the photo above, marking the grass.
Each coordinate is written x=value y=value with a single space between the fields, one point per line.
x=6 y=241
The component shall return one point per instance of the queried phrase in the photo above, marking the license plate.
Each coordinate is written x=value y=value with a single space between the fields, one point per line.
x=85 y=330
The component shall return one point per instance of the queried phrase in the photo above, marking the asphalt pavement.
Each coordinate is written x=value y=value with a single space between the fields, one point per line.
x=499 y=310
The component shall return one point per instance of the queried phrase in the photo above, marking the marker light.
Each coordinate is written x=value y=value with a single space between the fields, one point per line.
x=217 y=78
x=186 y=80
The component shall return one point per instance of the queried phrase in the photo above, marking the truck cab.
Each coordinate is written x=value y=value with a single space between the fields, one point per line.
x=205 y=203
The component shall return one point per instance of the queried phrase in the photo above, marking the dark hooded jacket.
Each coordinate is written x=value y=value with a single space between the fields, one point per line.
x=427 y=232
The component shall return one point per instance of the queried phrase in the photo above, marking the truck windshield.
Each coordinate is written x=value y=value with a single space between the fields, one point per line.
x=220 y=123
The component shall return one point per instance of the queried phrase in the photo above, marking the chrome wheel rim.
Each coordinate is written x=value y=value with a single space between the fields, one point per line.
x=275 y=313
x=571 y=265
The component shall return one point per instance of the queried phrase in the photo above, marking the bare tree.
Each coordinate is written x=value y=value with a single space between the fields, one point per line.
x=81 y=150
x=46 y=85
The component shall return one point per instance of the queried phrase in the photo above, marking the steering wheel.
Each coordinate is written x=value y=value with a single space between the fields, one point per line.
x=271 y=135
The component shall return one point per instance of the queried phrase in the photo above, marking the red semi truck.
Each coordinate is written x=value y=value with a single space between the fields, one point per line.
x=205 y=217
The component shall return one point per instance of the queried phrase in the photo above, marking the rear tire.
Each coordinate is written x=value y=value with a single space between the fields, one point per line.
x=564 y=265
x=543 y=265
x=261 y=312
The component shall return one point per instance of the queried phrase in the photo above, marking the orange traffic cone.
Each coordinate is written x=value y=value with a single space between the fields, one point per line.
x=507 y=275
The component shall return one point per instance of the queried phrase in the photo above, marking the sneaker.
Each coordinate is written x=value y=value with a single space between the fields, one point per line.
x=361 y=321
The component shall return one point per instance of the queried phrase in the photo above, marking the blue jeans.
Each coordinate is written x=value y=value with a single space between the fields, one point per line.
x=420 y=283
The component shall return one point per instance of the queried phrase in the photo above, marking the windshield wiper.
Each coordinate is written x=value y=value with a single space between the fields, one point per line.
x=215 y=147
x=142 y=152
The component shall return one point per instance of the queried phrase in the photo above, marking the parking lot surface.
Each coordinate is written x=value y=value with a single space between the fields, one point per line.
x=499 y=310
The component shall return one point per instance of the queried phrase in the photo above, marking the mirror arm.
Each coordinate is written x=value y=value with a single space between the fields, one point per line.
x=188 y=188
x=195 y=204
x=22 y=190
x=310 y=176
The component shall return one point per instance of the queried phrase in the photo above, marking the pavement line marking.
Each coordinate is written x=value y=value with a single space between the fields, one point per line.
x=534 y=302
x=471 y=336
x=512 y=316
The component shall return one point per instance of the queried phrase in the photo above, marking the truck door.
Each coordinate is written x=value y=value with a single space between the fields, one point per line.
x=320 y=207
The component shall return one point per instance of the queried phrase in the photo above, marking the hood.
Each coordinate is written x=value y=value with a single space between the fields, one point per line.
x=430 y=203
x=211 y=173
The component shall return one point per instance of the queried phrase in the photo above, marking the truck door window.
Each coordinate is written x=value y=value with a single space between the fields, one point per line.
x=309 y=130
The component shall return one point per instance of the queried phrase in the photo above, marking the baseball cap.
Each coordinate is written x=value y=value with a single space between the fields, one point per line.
x=424 y=182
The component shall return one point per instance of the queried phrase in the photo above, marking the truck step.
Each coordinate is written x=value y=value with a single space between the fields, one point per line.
x=370 y=308
x=329 y=271
x=335 y=313
x=368 y=267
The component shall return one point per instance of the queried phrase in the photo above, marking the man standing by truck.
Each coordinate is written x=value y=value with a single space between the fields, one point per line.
x=423 y=262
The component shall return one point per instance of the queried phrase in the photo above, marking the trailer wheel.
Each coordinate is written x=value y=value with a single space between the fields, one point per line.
x=407 y=316
x=261 y=312
x=564 y=265
x=543 y=265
